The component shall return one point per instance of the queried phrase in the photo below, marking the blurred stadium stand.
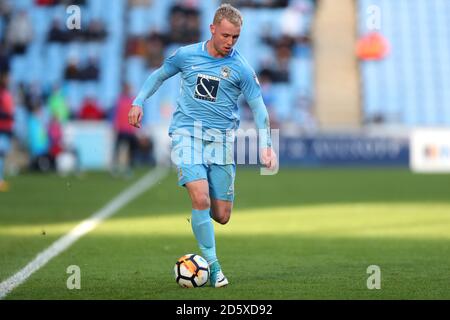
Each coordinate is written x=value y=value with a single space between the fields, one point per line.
x=409 y=86
x=304 y=53
x=45 y=61
x=133 y=37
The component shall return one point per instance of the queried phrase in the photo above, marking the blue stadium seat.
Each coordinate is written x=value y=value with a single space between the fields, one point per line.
x=282 y=101
x=135 y=72
x=73 y=91
x=410 y=85
x=137 y=21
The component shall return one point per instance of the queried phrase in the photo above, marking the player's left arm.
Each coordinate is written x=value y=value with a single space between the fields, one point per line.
x=252 y=92
x=261 y=118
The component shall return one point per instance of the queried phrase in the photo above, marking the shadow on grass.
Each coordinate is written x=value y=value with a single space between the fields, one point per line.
x=298 y=187
x=269 y=267
x=40 y=200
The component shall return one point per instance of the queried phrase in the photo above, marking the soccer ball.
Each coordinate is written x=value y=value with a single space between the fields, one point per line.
x=191 y=271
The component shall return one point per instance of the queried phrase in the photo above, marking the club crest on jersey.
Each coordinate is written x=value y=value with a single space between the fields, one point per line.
x=256 y=79
x=206 y=87
x=225 y=72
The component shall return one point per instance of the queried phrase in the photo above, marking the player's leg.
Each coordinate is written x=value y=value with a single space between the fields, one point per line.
x=221 y=190
x=199 y=193
x=221 y=210
x=194 y=178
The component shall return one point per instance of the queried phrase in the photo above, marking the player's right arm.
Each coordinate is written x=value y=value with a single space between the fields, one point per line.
x=170 y=67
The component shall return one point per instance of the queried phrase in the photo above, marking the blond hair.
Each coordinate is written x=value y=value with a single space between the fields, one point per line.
x=227 y=11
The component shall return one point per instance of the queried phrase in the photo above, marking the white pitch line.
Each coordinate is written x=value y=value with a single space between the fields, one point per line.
x=146 y=182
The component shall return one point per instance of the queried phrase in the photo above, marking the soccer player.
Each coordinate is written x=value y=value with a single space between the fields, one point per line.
x=214 y=74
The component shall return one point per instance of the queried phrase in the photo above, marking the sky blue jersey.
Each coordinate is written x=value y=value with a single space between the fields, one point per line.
x=210 y=88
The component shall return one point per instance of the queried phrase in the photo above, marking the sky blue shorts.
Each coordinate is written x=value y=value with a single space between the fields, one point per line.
x=220 y=178
x=198 y=159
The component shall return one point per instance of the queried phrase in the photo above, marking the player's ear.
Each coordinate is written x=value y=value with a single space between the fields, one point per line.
x=212 y=27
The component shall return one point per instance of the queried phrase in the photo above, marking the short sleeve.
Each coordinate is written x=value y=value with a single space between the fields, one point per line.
x=249 y=84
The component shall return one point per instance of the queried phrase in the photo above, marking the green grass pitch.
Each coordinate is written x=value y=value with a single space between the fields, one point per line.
x=301 y=234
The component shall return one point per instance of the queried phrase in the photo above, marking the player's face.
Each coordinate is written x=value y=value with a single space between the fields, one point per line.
x=224 y=36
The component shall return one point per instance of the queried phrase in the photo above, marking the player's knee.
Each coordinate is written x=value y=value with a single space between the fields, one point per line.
x=223 y=220
x=224 y=216
x=200 y=201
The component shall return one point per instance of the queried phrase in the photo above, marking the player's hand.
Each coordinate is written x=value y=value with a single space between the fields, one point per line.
x=269 y=158
x=135 y=116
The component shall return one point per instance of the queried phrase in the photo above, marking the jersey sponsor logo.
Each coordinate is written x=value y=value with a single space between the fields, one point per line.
x=206 y=87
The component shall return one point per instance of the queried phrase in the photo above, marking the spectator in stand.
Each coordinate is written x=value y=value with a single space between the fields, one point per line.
x=46 y=2
x=184 y=23
x=5 y=58
x=72 y=71
x=38 y=141
x=125 y=134
x=57 y=33
x=279 y=68
x=19 y=33
x=155 y=50
x=294 y=20
x=90 y=110
x=74 y=2
x=55 y=135
x=177 y=22
x=58 y=105
x=90 y=71
x=192 y=25
x=283 y=54
x=95 y=31
x=6 y=126
x=56 y=2
x=5 y=11
x=32 y=96
x=372 y=46
x=21 y=95
x=135 y=46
